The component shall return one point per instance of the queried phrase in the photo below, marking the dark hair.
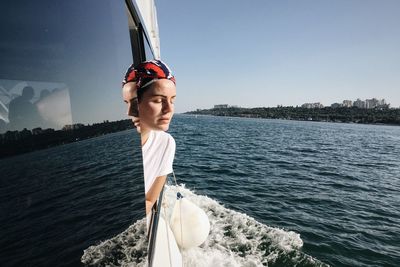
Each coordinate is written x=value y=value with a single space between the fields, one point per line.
x=28 y=92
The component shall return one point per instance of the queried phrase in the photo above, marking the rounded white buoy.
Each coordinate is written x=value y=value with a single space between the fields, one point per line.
x=189 y=224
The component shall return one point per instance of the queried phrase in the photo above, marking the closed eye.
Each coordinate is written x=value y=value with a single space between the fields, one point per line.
x=162 y=99
x=157 y=100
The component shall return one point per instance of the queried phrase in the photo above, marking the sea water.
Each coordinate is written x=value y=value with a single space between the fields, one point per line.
x=235 y=239
x=277 y=193
x=336 y=185
x=56 y=202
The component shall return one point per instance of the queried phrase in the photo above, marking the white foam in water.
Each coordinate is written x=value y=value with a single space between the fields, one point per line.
x=235 y=240
x=128 y=248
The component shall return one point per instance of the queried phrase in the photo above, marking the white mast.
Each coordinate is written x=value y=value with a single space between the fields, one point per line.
x=148 y=13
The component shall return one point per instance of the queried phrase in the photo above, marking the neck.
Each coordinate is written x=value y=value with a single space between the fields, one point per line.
x=144 y=135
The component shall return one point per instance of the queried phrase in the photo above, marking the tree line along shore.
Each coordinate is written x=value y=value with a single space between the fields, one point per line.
x=327 y=114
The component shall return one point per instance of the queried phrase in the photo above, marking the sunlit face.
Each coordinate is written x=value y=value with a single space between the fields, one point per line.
x=156 y=107
x=130 y=98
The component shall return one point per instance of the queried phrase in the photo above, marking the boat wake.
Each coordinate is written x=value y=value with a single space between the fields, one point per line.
x=235 y=239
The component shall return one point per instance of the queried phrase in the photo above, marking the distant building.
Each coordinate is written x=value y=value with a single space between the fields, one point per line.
x=382 y=104
x=347 y=103
x=312 y=105
x=37 y=131
x=70 y=127
x=371 y=103
x=359 y=103
x=221 y=106
x=366 y=104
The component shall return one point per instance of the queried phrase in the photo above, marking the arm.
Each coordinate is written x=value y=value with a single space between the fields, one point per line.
x=154 y=192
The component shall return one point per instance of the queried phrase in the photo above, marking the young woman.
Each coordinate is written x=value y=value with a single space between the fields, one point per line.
x=149 y=91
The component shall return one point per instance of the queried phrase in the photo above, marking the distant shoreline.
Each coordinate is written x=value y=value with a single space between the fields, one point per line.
x=358 y=123
x=18 y=142
x=355 y=115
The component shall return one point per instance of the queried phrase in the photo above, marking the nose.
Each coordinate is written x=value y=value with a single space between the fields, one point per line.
x=128 y=111
x=133 y=108
x=168 y=107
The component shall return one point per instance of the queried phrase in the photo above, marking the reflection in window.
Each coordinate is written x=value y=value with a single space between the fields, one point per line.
x=30 y=105
x=60 y=85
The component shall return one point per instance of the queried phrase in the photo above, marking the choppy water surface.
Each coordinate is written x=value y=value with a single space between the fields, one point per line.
x=286 y=193
x=337 y=185
x=235 y=239
x=278 y=193
x=57 y=202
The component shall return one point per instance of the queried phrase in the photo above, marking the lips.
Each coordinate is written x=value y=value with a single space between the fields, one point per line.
x=164 y=120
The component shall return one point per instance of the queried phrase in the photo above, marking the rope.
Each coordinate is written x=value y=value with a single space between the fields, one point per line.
x=173 y=173
x=166 y=229
x=179 y=196
x=167 y=224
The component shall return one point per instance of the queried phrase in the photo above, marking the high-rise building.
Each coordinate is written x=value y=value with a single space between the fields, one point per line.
x=371 y=103
x=359 y=103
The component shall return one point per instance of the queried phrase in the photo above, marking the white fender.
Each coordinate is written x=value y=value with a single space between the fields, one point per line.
x=189 y=224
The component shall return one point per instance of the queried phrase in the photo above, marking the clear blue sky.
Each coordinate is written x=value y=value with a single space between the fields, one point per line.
x=267 y=53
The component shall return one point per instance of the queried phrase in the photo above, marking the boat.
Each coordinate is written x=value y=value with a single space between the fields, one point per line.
x=163 y=249
x=60 y=98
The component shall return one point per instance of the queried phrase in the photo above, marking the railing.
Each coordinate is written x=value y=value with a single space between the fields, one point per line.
x=152 y=232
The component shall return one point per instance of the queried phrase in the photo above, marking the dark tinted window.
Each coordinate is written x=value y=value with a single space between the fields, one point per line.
x=70 y=162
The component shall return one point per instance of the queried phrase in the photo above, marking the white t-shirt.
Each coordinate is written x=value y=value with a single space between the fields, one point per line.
x=158 y=156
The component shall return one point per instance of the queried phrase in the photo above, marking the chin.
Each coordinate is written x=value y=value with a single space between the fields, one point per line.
x=163 y=127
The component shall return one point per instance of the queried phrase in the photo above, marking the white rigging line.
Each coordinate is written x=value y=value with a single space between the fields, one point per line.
x=167 y=224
